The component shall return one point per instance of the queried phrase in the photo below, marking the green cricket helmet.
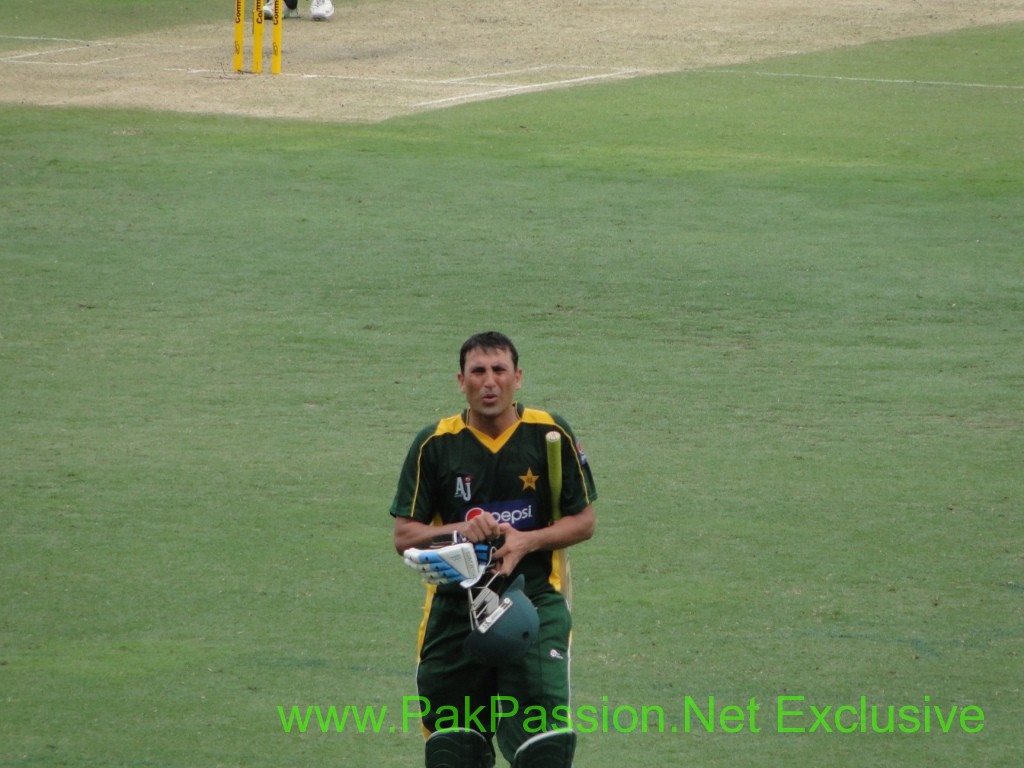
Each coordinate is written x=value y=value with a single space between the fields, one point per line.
x=503 y=629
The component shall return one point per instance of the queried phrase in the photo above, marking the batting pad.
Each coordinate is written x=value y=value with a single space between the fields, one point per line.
x=459 y=748
x=553 y=749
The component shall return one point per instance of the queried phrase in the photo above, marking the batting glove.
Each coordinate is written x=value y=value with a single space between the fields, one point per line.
x=454 y=563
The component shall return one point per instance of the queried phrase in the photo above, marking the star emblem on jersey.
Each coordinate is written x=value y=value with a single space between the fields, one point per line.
x=529 y=480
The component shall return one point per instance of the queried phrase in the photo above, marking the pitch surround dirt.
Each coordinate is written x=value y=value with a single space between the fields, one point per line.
x=384 y=58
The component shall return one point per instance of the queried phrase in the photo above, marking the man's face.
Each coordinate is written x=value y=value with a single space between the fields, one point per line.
x=490 y=381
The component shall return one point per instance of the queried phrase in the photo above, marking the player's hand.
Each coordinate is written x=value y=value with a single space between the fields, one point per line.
x=482 y=528
x=515 y=547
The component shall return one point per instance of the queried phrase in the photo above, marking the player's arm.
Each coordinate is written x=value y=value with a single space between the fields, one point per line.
x=410 y=533
x=563 y=533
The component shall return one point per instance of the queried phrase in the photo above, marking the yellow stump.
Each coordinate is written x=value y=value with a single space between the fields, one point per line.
x=239 y=35
x=275 y=57
x=257 y=38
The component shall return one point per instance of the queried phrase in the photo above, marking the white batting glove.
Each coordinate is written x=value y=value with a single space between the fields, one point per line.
x=455 y=563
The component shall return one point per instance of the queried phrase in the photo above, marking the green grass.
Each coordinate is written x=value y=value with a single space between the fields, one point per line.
x=784 y=314
x=104 y=19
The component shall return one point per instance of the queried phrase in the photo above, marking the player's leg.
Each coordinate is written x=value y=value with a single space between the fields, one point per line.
x=456 y=692
x=539 y=686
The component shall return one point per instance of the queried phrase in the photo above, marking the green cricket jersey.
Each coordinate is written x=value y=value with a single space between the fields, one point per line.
x=454 y=472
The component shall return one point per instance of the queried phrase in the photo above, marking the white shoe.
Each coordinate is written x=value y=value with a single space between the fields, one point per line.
x=321 y=10
x=286 y=12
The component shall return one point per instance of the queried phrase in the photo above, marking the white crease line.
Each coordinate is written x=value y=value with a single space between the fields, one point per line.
x=883 y=81
x=227 y=71
x=454 y=82
x=525 y=88
x=106 y=61
x=48 y=52
x=43 y=39
x=107 y=43
x=527 y=70
x=90 y=63
x=168 y=48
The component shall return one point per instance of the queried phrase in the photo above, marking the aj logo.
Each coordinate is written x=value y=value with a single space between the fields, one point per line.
x=464 y=487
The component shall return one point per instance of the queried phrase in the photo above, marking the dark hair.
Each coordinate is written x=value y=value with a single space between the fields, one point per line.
x=488 y=340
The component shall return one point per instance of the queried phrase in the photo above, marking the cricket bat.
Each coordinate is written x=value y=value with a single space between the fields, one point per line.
x=560 y=556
